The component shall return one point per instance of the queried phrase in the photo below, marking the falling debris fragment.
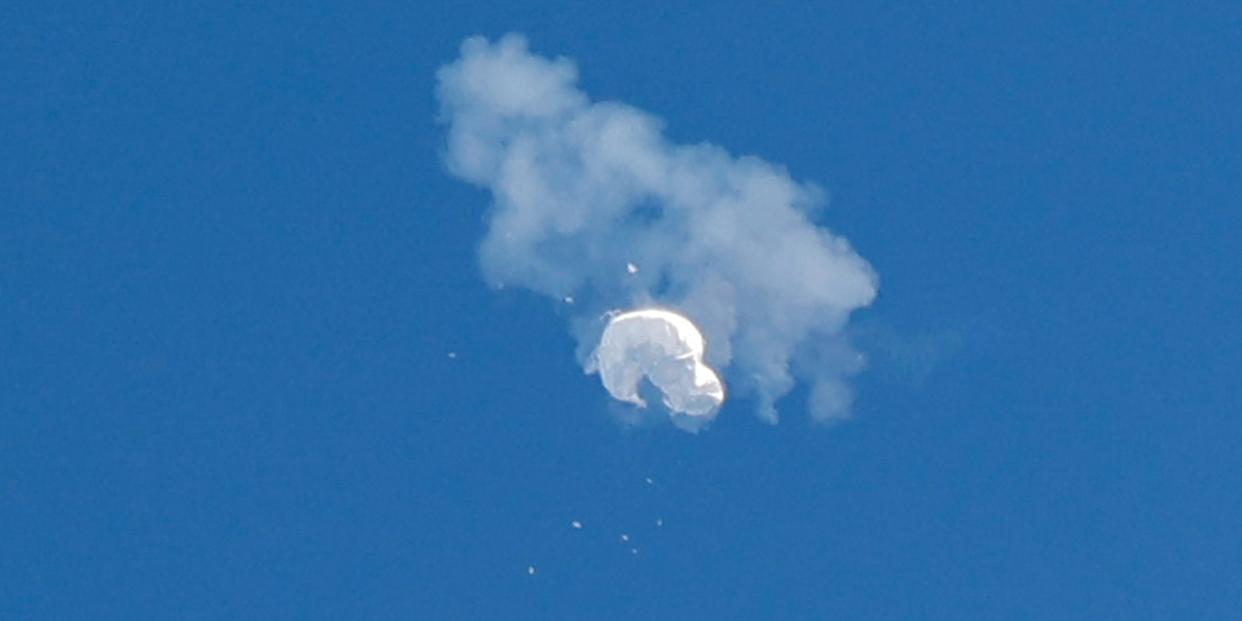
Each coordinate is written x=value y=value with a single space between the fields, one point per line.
x=660 y=522
x=569 y=299
x=631 y=268
x=633 y=550
x=625 y=537
x=576 y=524
x=530 y=570
x=452 y=354
x=650 y=482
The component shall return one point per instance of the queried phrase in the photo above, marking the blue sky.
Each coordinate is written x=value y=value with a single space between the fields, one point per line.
x=232 y=266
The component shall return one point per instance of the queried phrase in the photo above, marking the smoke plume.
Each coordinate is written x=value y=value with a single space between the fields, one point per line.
x=595 y=208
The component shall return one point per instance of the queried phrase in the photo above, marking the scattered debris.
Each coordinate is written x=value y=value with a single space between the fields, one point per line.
x=633 y=550
x=659 y=521
x=576 y=524
x=569 y=299
x=650 y=482
x=452 y=354
x=530 y=570
x=631 y=268
x=625 y=537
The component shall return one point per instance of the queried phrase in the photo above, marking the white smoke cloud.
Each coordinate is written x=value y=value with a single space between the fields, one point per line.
x=591 y=203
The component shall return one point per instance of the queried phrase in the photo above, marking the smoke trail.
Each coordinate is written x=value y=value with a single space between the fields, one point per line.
x=592 y=204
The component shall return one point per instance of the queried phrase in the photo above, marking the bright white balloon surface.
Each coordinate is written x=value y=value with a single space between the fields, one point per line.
x=665 y=348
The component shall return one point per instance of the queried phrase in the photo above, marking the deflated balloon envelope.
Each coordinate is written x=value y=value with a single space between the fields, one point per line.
x=665 y=348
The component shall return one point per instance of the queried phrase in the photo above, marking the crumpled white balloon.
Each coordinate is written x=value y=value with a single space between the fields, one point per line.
x=665 y=348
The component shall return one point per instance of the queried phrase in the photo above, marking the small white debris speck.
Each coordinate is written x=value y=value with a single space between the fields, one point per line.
x=452 y=354
x=650 y=482
x=576 y=524
x=631 y=268
x=569 y=299
x=633 y=550
x=660 y=522
x=625 y=537
x=530 y=570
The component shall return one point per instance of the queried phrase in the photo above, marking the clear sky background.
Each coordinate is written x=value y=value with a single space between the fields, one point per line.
x=232 y=268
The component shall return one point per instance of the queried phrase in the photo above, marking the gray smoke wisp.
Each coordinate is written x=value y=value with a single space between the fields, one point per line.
x=593 y=207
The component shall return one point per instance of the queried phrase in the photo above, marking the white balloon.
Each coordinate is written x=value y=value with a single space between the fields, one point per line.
x=665 y=348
